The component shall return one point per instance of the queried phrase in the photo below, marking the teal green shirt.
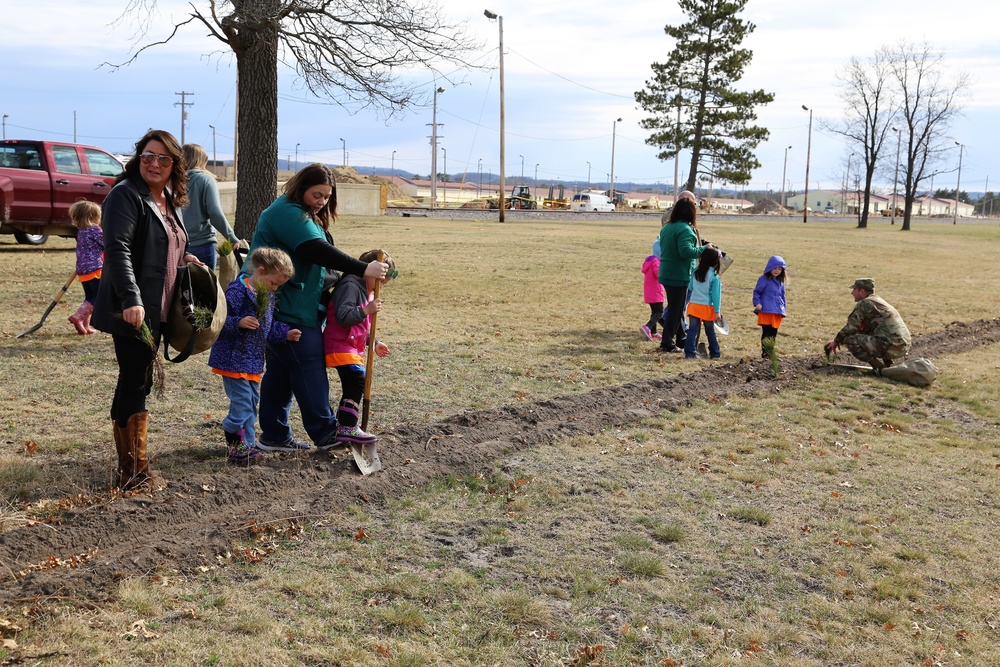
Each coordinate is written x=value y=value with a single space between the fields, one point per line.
x=286 y=225
x=678 y=251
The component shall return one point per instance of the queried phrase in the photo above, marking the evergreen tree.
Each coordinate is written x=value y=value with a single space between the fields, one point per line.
x=697 y=80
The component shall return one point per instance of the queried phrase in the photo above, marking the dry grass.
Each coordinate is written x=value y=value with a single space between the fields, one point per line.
x=845 y=521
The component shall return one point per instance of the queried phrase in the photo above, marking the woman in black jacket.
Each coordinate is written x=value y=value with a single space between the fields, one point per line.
x=144 y=243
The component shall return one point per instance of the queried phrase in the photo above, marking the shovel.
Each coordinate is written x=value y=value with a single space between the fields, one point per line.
x=366 y=456
x=52 y=305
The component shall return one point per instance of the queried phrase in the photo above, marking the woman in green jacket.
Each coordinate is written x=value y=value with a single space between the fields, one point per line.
x=679 y=250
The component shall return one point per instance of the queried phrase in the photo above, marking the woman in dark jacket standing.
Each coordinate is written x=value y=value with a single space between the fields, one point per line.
x=144 y=243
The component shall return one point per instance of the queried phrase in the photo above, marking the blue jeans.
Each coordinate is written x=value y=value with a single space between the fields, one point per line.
x=694 y=329
x=296 y=369
x=207 y=253
x=244 y=397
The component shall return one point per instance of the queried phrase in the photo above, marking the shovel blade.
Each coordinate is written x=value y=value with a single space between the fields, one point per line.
x=366 y=457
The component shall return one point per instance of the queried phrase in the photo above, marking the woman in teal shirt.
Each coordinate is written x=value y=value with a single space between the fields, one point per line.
x=298 y=222
x=679 y=248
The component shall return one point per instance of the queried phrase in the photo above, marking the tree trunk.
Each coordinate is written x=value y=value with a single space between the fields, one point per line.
x=257 y=66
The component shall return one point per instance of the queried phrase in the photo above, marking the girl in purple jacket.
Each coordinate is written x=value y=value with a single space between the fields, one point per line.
x=86 y=216
x=238 y=354
x=769 y=300
x=348 y=324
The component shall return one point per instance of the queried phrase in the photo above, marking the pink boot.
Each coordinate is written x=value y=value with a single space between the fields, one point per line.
x=77 y=318
x=86 y=318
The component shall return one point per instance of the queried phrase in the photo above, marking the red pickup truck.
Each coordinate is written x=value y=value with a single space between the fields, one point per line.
x=40 y=180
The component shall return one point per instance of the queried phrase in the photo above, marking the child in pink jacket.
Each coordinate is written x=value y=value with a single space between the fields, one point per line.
x=348 y=326
x=653 y=292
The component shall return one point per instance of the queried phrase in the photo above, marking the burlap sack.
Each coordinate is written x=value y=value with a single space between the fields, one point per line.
x=918 y=372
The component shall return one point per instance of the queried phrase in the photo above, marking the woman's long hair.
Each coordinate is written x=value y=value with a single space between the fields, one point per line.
x=305 y=178
x=684 y=210
x=195 y=156
x=178 y=170
x=710 y=259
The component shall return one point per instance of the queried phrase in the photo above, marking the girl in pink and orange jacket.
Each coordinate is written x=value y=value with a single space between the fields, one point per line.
x=348 y=324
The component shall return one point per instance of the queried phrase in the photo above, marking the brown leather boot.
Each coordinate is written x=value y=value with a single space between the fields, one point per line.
x=125 y=459
x=139 y=474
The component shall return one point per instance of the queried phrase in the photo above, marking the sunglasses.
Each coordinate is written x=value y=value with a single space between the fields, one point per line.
x=162 y=160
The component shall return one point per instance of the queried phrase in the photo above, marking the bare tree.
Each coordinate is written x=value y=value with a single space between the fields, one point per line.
x=349 y=51
x=927 y=106
x=870 y=109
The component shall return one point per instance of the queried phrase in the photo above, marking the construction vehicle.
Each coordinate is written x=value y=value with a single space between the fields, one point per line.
x=559 y=202
x=520 y=197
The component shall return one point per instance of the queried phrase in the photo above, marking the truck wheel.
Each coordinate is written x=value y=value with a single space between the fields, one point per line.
x=25 y=238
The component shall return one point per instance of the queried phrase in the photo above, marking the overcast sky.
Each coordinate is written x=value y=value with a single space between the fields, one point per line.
x=570 y=71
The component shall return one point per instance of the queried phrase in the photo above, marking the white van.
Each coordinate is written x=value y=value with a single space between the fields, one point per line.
x=591 y=201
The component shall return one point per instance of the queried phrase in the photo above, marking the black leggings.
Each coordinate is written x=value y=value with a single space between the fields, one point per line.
x=135 y=378
x=352 y=383
x=673 y=324
x=767 y=331
x=656 y=312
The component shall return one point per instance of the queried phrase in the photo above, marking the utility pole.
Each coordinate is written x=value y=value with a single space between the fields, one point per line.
x=183 y=104
x=958 y=184
x=784 y=173
x=434 y=148
x=809 y=143
x=611 y=178
x=490 y=15
x=215 y=161
x=895 y=179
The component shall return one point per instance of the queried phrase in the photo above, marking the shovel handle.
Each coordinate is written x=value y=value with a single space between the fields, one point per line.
x=370 y=357
x=55 y=300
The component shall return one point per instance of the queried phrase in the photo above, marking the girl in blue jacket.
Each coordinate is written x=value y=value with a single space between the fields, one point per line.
x=769 y=300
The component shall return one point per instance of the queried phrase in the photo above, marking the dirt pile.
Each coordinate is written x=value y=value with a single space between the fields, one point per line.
x=351 y=175
x=769 y=207
x=193 y=524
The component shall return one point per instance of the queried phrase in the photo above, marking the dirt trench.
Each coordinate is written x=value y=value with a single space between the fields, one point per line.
x=199 y=517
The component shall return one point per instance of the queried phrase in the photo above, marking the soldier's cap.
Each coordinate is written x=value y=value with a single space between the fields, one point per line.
x=866 y=284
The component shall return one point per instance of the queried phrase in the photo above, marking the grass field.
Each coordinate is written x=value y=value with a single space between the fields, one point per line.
x=836 y=520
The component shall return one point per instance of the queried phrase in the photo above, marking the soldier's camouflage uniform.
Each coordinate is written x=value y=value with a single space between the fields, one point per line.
x=875 y=333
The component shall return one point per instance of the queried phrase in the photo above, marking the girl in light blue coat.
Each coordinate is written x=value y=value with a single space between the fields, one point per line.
x=705 y=303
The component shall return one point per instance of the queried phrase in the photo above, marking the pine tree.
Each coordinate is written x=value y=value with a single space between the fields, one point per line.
x=697 y=79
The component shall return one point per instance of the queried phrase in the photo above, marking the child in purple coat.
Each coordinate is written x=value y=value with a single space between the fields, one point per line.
x=238 y=354
x=86 y=216
x=769 y=300
x=653 y=292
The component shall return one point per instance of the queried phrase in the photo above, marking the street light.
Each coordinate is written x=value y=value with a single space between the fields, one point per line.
x=611 y=178
x=490 y=15
x=215 y=161
x=805 y=200
x=479 y=176
x=895 y=179
x=536 y=174
x=958 y=184
x=784 y=172
x=297 y=156
x=522 y=167
x=847 y=184
x=434 y=149
x=588 y=175
x=343 y=145
x=5 y=117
